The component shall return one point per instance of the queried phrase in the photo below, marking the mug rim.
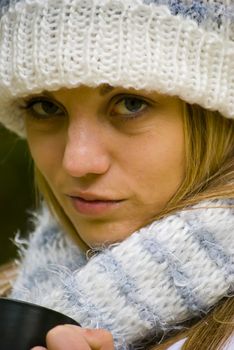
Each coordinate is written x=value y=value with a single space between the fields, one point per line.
x=34 y=306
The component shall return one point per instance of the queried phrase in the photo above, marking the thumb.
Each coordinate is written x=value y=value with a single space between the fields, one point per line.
x=74 y=338
x=98 y=339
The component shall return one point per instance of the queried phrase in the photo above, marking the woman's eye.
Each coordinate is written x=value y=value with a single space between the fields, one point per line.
x=129 y=106
x=43 y=109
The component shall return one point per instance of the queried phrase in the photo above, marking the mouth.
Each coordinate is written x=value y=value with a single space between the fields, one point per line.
x=93 y=206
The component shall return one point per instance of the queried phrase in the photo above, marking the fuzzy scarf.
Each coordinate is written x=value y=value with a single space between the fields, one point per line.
x=171 y=271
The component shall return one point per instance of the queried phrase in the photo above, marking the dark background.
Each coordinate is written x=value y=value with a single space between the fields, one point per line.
x=16 y=192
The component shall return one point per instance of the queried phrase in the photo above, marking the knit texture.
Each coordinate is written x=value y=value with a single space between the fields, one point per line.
x=168 y=272
x=176 y=47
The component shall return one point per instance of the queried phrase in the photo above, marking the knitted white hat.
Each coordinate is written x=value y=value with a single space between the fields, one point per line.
x=176 y=47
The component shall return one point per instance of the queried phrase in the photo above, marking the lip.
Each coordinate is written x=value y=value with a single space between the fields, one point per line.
x=93 y=206
x=87 y=196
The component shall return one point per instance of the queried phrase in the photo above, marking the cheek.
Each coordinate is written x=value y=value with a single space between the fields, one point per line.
x=158 y=167
x=46 y=153
x=168 y=157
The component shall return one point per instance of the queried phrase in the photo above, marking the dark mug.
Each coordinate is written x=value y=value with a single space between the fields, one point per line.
x=25 y=325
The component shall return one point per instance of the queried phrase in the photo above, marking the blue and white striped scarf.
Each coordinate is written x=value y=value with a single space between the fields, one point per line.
x=164 y=274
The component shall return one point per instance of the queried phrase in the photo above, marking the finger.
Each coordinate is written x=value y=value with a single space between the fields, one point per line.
x=98 y=339
x=65 y=338
x=38 y=348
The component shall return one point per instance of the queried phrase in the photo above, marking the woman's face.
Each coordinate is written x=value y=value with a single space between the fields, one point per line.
x=113 y=157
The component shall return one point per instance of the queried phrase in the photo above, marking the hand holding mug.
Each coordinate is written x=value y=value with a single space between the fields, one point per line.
x=69 y=337
x=25 y=325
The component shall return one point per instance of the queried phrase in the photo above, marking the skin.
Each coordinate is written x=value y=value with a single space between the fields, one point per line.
x=98 y=146
x=96 y=143
x=75 y=338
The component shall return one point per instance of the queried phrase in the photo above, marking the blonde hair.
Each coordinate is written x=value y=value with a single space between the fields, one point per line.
x=209 y=158
x=209 y=174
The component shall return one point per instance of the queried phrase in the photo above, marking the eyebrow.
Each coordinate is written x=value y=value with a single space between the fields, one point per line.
x=44 y=92
x=105 y=89
x=47 y=93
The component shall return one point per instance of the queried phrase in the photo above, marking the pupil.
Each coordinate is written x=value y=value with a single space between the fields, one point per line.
x=132 y=104
x=49 y=107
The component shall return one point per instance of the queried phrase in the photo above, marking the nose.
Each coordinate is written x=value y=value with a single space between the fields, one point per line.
x=85 y=151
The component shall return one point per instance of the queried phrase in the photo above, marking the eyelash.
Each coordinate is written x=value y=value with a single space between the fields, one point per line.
x=28 y=107
x=131 y=115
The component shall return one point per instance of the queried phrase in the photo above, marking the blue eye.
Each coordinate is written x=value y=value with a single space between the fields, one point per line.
x=43 y=109
x=133 y=104
x=48 y=107
x=129 y=106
